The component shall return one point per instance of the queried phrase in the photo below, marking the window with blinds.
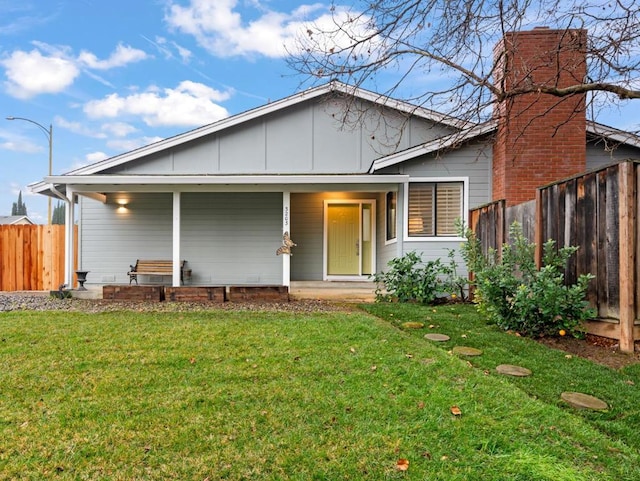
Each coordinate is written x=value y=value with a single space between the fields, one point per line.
x=434 y=208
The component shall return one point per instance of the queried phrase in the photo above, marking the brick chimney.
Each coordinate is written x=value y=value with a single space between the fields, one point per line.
x=541 y=138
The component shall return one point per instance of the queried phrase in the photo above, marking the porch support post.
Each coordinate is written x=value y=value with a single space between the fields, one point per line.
x=286 y=227
x=176 y=239
x=69 y=241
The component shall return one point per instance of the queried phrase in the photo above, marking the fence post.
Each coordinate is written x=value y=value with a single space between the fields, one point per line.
x=626 y=222
x=538 y=234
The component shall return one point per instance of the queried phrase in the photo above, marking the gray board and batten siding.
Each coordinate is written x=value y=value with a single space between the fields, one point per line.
x=306 y=138
x=471 y=161
x=227 y=238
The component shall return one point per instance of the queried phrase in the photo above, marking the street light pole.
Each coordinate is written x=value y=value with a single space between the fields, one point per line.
x=49 y=134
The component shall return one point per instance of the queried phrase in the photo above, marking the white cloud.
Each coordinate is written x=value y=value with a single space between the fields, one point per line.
x=80 y=128
x=190 y=104
x=17 y=143
x=122 y=56
x=49 y=69
x=221 y=30
x=95 y=157
x=30 y=74
x=119 y=129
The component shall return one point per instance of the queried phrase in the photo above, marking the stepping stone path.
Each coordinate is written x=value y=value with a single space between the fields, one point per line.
x=437 y=337
x=511 y=370
x=583 y=401
x=575 y=399
x=467 y=351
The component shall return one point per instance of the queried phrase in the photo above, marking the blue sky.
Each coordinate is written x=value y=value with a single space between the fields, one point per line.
x=112 y=76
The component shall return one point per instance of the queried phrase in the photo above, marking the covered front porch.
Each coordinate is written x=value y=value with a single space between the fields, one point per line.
x=230 y=229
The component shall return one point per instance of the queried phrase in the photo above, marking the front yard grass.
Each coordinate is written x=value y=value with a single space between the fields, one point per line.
x=318 y=396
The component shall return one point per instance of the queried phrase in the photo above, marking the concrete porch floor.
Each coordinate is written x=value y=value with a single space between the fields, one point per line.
x=333 y=290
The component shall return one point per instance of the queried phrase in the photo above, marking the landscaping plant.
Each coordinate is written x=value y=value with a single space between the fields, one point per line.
x=409 y=279
x=513 y=293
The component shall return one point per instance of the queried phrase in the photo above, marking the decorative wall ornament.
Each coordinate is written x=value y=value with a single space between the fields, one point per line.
x=286 y=246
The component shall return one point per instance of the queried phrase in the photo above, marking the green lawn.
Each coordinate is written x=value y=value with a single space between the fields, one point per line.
x=320 y=396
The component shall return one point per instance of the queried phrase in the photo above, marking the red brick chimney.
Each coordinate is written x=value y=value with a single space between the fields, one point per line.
x=541 y=138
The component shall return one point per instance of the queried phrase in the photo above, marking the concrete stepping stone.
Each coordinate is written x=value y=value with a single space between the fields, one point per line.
x=583 y=401
x=437 y=337
x=413 y=325
x=467 y=351
x=511 y=370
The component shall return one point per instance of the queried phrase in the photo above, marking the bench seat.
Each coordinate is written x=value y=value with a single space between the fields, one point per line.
x=156 y=268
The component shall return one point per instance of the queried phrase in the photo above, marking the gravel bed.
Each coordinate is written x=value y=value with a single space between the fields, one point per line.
x=14 y=301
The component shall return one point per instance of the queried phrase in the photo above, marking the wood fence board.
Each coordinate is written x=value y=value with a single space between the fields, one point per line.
x=32 y=257
x=627 y=260
x=612 y=247
x=636 y=224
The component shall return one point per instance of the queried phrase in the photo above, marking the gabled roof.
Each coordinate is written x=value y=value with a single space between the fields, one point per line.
x=435 y=145
x=329 y=88
x=487 y=128
x=15 y=219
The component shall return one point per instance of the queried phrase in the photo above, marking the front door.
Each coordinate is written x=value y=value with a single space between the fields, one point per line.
x=349 y=239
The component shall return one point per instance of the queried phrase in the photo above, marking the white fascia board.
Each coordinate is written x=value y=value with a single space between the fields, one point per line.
x=433 y=146
x=92 y=185
x=622 y=136
x=176 y=180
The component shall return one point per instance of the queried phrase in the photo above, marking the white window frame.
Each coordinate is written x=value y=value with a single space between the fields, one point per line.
x=435 y=180
x=386 y=219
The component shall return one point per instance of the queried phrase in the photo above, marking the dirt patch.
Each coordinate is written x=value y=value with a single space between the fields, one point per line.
x=595 y=348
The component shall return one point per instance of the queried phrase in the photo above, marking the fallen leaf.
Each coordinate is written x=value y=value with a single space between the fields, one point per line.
x=630 y=382
x=402 y=464
x=373 y=368
x=455 y=410
x=409 y=356
x=464 y=336
x=421 y=405
x=426 y=454
x=353 y=351
x=192 y=360
x=569 y=356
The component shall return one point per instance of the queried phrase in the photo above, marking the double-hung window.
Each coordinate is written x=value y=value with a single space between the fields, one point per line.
x=434 y=207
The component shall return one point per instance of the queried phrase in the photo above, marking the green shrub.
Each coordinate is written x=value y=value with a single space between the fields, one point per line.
x=411 y=280
x=517 y=296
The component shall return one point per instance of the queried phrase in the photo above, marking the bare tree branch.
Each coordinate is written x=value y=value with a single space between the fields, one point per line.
x=440 y=54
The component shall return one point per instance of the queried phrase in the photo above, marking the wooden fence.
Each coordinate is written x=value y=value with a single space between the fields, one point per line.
x=596 y=211
x=32 y=257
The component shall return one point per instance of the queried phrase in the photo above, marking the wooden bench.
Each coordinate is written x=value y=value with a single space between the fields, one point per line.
x=157 y=268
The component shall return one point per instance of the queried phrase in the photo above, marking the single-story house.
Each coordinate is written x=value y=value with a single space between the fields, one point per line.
x=15 y=220
x=327 y=184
